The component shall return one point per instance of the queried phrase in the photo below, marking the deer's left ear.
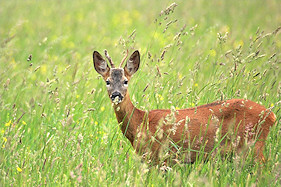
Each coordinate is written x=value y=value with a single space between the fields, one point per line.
x=100 y=64
x=133 y=63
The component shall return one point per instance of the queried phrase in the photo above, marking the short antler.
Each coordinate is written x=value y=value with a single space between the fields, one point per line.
x=124 y=59
x=109 y=59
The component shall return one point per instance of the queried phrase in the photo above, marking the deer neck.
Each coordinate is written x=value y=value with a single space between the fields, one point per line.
x=129 y=117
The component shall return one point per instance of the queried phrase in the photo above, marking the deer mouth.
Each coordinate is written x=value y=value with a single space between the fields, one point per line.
x=116 y=98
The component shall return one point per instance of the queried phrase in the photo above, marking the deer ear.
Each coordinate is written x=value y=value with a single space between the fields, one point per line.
x=133 y=63
x=100 y=64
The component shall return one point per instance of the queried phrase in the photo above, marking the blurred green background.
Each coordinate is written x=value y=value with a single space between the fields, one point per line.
x=57 y=124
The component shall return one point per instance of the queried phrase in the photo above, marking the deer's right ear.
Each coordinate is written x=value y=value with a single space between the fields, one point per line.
x=100 y=64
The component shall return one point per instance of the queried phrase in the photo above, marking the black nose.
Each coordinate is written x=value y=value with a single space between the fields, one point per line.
x=115 y=94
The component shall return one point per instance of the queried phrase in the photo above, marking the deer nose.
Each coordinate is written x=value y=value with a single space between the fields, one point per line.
x=116 y=94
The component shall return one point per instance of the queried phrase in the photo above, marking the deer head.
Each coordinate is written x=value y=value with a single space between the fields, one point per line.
x=116 y=79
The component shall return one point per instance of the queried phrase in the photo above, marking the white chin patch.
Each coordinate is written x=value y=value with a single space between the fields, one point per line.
x=116 y=100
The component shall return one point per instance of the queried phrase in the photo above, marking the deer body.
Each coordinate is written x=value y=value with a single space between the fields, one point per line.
x=230 y=123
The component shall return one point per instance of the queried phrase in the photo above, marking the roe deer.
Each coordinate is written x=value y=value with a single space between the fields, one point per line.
x=234 y=122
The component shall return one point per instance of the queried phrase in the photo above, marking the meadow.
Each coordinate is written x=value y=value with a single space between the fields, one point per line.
x=57 y=125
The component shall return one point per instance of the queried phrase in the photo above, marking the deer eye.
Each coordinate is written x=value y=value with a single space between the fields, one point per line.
x=107 y=83
x=125 y=82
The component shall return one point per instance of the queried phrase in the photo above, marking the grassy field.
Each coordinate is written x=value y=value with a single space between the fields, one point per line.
x=57 y=125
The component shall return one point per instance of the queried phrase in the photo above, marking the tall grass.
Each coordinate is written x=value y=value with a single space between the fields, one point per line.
x=57 y=126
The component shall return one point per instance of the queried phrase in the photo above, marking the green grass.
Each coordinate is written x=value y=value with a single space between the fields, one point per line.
x=63 y=130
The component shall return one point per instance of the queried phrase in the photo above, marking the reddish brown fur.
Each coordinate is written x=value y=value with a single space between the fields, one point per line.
x=231 y=115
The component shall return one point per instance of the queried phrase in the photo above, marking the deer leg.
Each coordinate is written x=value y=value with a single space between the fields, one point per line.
x=259 y=151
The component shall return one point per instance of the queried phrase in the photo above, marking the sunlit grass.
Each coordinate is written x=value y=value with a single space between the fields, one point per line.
x=57 y=126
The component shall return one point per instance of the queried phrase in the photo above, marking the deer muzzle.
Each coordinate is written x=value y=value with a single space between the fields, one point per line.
x=116 y=97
